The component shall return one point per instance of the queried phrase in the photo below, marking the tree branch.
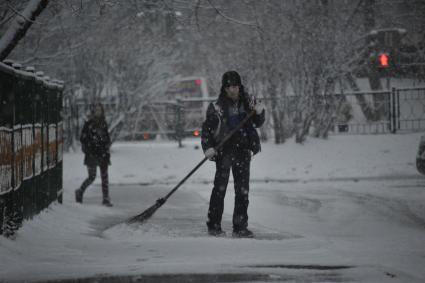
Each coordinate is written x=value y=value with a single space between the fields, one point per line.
x=19 y=14
x=20 y=26
x=51 y=56
x=231 y=19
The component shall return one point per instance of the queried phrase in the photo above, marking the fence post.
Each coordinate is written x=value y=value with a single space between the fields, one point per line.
x=398 y=108
x=179 y=124
x=25 y=100
x=60 y=143
x=38 y=144
x=394 y=115
x=19 y=120
x=390 y=115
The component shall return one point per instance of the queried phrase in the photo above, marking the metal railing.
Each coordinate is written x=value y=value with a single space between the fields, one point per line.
x=373 y=112
x=409 y=109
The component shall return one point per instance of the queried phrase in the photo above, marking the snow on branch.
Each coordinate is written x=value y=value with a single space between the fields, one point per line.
x=20 y=26
x=60 y=53
x=232 y=19
x=17 y=13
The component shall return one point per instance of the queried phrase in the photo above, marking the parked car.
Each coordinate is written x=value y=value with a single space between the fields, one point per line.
x=420 y=158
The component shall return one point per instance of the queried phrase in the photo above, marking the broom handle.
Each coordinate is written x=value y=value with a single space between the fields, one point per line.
x=220 y=145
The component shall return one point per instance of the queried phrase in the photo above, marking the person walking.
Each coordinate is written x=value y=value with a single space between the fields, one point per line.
x=231 y=107
x=95 y=142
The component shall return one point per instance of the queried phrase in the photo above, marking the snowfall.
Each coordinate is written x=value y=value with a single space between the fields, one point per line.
x=347 y=209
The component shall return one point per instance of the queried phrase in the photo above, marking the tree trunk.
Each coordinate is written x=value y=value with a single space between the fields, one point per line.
x=277 y=114
x=277 y=126
x=368 y=111
x=303 y=128
x=373 y=76
x=20 y=26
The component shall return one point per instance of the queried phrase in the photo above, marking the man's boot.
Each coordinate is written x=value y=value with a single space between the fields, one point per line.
x=242 y=233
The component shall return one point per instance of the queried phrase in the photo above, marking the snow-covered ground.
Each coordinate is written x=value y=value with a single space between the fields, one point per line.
x=350 y=208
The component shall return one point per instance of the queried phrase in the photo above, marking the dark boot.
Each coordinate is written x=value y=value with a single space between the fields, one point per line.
x=107 y=202
x=216 y=232
x=243 y=233
x=79 y=195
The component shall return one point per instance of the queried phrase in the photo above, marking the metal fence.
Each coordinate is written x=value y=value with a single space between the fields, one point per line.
x=364 y=113
x=373 y=112
x=409 y=109
x=30 y=144
x=397 y=110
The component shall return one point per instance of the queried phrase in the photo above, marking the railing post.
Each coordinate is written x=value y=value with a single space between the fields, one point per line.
x=390 y=102
x=394 y=113
x=398 y=108
x=179 y=124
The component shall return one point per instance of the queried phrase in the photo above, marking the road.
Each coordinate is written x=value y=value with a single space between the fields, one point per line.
x=348 y=230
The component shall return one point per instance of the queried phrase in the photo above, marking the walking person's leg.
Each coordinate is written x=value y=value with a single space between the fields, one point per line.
x=216 y=207
x=105 y=184
x=87 y=182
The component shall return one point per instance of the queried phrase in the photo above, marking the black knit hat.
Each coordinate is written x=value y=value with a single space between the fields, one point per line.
x=231 y=78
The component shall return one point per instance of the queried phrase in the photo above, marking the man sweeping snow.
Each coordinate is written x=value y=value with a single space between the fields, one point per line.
x=232 y=106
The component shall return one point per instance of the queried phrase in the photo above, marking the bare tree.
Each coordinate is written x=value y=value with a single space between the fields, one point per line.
x=293 y=53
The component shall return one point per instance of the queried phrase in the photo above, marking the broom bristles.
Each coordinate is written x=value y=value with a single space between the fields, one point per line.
x=147 y=213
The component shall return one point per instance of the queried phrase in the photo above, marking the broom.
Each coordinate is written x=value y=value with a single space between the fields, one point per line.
x=145 y=215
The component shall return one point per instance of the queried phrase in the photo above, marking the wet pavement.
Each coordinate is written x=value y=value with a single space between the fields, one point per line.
x=294 y=273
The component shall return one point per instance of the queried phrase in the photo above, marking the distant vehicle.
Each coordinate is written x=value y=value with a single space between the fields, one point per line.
x=420 y=158
x=178 y=113
x=192 y=94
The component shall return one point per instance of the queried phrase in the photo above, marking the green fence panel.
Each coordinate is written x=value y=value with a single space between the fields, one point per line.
x=6 y=147
x=38 y=145
x=52 y=142
x=43 y=197
x=27 y=120
x=60 y=143
x=7 y=81
x=30 y=145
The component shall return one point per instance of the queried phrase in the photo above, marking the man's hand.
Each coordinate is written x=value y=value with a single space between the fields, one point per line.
x=210 y=152
x=256 y=105
x=259 y=107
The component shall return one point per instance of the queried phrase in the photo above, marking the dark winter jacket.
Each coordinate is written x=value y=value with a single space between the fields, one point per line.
x=95 y=142
x=220 y=120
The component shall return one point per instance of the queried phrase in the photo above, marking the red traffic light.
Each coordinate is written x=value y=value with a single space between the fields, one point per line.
x=384 y=60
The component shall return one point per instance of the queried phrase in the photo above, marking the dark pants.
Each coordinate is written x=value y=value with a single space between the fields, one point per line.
x=239 y=162
x=92 y=176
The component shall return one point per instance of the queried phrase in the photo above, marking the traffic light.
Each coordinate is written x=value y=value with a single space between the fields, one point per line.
x=383 y=60
x=382 y=47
